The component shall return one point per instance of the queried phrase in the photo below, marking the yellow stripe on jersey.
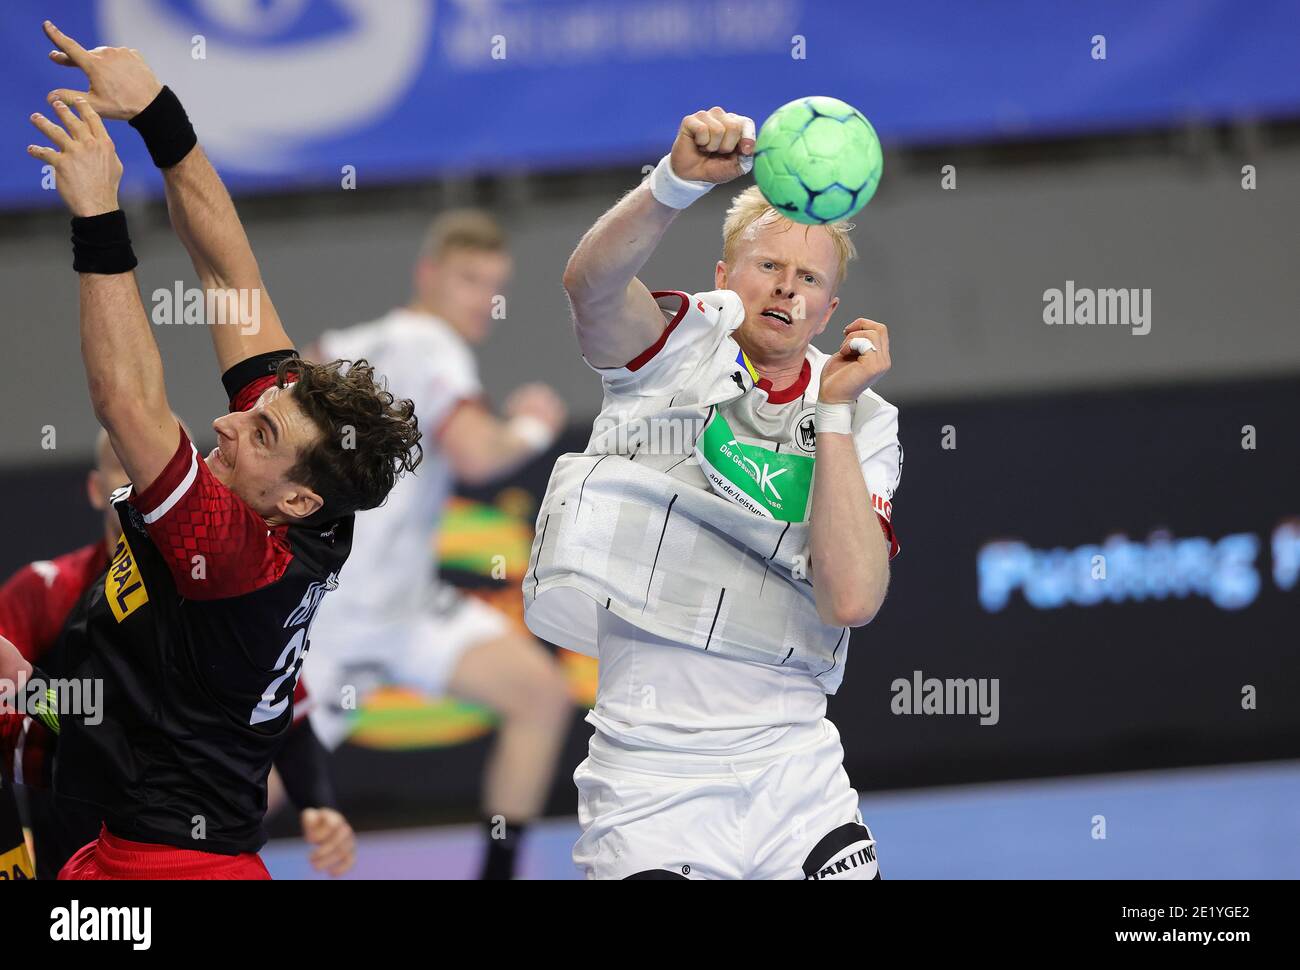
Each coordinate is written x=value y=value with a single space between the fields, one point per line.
x=16 y=864
x=124 y=585
x=754 y=374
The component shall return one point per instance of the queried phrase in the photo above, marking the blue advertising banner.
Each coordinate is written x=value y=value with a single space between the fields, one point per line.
x=307 y=93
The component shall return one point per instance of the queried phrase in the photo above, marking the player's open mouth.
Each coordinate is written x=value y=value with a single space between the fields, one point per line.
x=219 y=457
x=779 y=315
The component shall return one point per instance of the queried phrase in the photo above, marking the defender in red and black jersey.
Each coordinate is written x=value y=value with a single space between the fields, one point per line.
x=35 y=603
x=197 y=629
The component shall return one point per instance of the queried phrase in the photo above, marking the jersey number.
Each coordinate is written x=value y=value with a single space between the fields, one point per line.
x=268 y=708
x=289 y=664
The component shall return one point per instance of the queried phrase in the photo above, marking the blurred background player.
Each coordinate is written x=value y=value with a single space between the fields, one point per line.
x=34 y=603
x=391 y=621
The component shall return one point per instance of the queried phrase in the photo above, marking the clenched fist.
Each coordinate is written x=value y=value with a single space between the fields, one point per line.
x=847 y=374
x=713 y=146
x=334 y=844
x=539 y=402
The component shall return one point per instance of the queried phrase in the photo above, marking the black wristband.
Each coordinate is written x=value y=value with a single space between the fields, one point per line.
x=100 y=244
x=166 y=129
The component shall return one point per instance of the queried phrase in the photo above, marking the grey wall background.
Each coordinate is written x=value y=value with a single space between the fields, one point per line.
x=958 y=275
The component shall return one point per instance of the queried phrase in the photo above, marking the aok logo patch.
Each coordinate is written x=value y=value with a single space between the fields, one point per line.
x=124 y=585
x=766 y=483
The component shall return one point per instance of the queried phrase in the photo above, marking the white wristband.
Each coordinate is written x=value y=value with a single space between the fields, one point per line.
x=534 y=432
x=834 y=418
x=673 y=191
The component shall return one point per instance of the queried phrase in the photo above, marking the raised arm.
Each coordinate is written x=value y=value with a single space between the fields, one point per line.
x=124 y=372
x=483 y=448
x=205 y=220
x=123 y=87
x=614 y=315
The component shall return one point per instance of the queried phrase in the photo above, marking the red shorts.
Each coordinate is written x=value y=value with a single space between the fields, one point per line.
x=113 y=858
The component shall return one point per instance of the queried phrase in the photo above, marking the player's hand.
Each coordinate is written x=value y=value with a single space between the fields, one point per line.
x=12 y=662
x=330 y=833
x=121 y=83
x=540 y=402
x=12 y=665
x=846 y=375
x=87 y=170
x=710 y=146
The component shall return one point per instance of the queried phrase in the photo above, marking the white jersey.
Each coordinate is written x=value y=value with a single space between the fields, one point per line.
x=654 y=524
x=391 y=570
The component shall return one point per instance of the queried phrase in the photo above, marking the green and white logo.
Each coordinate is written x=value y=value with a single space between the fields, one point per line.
x=762 y=481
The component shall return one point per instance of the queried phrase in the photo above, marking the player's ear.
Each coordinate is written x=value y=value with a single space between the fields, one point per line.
x=830 y=311
x=93 y=493
x=299 y=503
x=720 y=276
x=425 y=276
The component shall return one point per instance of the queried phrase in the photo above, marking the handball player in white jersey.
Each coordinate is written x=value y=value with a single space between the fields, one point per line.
x=390 y=621
x=695 y=552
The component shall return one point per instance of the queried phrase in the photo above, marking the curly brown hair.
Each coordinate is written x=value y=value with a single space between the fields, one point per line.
x=368 y=439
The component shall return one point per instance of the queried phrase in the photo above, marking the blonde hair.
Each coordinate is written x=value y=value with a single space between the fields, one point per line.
x=462 y=229
x=750 y=207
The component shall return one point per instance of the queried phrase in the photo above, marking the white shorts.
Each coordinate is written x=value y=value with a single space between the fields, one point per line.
x=419 y=650
x=792 y=815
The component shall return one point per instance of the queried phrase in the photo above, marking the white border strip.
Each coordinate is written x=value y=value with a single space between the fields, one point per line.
x=179 y=491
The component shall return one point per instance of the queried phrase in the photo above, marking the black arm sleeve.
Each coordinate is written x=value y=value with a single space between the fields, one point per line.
x=303 y=764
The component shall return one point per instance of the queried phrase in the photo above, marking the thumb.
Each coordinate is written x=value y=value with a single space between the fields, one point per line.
x=311 y=819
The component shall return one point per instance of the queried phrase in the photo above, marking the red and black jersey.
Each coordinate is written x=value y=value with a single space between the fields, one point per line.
x=197 y=630
x=36 y=600
x=34 y=605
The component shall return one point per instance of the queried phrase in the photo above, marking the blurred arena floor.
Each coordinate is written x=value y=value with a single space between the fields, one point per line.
x=1220 y=823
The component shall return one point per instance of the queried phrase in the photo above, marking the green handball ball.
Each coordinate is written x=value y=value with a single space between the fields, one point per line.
x=817 y=160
